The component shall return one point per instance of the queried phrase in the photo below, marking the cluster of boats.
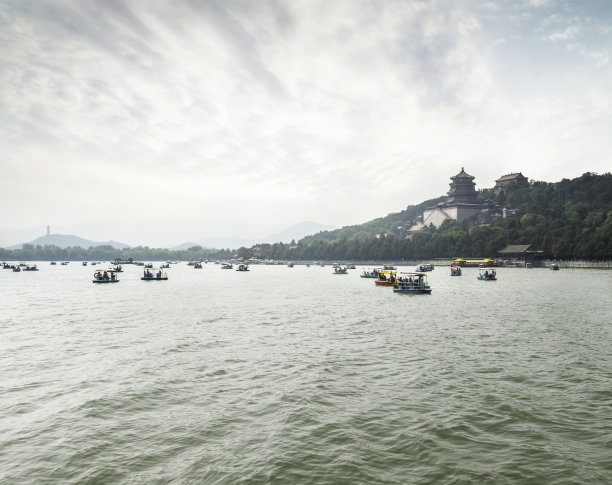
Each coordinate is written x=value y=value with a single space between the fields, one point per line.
x=20 y=267
x=406 y=283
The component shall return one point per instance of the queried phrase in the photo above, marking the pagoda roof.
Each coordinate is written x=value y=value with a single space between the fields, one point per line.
x=463 y=174
x=510 y=176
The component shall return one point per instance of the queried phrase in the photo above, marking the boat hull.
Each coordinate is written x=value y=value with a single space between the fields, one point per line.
x=154 y=279
x=105 y=281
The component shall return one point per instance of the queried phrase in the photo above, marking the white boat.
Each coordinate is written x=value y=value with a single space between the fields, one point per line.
x=487 y=274
x=105 y=277
x=412 y=284
x=455 y=270
x=154 y=275
x=243 y=267
x=421 y=268
x=339 y=270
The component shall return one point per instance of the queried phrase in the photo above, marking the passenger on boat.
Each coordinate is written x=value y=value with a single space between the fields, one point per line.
x=105 y=276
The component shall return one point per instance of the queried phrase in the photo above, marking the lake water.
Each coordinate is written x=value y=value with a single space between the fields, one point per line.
x=299 y=376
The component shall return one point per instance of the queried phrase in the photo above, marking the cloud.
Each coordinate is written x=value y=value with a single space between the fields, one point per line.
x=288 y=111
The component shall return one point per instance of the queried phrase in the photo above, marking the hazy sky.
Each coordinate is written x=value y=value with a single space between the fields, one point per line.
x=202 y=117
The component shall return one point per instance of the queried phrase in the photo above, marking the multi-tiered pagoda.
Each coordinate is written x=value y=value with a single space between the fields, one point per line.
x=462 y=202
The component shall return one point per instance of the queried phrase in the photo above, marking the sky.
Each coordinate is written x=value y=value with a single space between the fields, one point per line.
x=156 y=122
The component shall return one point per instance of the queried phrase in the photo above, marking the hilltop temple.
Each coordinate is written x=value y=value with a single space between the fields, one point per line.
x=462 y=202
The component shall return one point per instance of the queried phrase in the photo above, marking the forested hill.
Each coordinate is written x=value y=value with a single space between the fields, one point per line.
x=570 y=219
x=390 y=223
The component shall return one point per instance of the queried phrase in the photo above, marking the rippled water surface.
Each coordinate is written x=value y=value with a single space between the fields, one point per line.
x=297 y=375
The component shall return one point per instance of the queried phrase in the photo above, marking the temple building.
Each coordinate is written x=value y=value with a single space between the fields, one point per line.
x=516 y=179
x=462 y=202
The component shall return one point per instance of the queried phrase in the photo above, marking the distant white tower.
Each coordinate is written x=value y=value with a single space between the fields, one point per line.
x=48 y=230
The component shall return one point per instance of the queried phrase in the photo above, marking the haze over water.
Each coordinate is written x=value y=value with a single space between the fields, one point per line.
x=296 y=375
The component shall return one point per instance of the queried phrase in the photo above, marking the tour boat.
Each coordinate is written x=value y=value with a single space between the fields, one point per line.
x=455 y=270
x=339 y=270
x=105 y=277
x=386 y=277
x=486 y=274
x=158 y=275
x=412 y=284
x=30 y=268
x=243 y=267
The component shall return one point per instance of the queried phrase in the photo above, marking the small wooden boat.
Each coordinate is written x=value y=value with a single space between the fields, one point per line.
x=412 y=284
x=105 y=277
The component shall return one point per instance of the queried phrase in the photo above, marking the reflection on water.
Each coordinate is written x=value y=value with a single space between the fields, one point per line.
x=301 y=376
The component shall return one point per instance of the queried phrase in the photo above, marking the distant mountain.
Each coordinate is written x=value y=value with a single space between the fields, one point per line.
x=66 y=241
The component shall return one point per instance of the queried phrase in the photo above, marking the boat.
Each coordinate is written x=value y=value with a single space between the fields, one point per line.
x=386 y=277
x=167 y=265
x=16 y=269
x=243 y=267
x=117 y=269
x=370 y=273
x=105 y=277
x=554 y=267
x=487 y=274
x=197 y=265
x=227 y=266
x=412 y=284
x=455 y=270
x=84 y=263
x=340 y=270
x=351 y=266
x=65 y=263
x=30 y=268
x=528 y=265
x=386 y=266
x=53 y=263
x=421 y=268
x=158 y=275
x=290 y=265
x=148 y=265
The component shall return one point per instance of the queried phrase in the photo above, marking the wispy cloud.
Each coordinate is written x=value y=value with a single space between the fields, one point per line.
x=289 y=110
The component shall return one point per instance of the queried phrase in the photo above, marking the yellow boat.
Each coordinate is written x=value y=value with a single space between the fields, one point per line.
x=386 y=277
